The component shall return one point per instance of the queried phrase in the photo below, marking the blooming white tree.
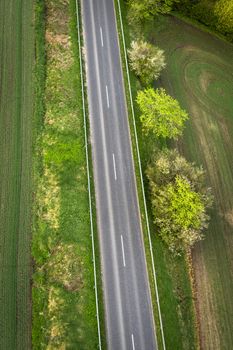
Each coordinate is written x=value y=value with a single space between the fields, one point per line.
x=146 y=60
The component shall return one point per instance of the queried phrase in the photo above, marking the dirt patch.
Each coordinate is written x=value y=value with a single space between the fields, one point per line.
x=229 y=217
x=60 y=39
x=65 y=267
x=205 y=305
x=205 y=80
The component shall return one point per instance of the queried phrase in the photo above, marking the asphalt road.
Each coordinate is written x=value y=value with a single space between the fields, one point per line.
x=128 y=307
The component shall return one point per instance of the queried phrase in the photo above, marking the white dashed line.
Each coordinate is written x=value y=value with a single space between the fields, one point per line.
x=114 y=166
x=107 y=96
x=132 y=337
x=123 y=251
x=101 y=37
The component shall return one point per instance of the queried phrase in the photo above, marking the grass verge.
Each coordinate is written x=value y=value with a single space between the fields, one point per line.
x=173 y=273
x=64 y=313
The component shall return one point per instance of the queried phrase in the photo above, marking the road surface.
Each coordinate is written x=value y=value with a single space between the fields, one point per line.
x=127 y=299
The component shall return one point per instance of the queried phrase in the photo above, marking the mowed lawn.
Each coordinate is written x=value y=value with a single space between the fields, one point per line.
x=16 y=111
x=200 y=75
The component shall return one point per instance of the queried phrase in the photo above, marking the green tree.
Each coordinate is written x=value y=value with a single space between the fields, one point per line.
x=146 y=60
x=179 y=200
x=142 y=10
x=161 y=114
x=224 y=12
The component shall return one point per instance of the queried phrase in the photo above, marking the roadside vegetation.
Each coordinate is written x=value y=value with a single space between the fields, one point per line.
x=64 y=313
x=16 y=130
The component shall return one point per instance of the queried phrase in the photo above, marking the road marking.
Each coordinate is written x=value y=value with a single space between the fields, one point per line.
x=123 y=251
x=107 y=96
x=101 y=37
x=114 y=166
x=132 y=337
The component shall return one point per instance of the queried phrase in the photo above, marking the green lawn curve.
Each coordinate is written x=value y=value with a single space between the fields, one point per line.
x=199 y=74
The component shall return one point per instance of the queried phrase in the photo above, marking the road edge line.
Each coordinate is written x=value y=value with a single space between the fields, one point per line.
x=141 y=178
x=88 y=171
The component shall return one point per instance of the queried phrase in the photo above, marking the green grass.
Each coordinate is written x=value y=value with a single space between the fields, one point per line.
x=200 y=75
x=173 y=273
x=64 y=314
x=16 y=125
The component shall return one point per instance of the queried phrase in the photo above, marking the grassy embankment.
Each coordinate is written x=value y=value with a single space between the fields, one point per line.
x=64 y=314
x=200 y=75
x=173 y=273
x=16 y=125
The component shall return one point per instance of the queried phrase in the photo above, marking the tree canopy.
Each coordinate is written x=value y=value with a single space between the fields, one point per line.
x=179 y=200
x=224 y=12
x=146 y=60
x=161 y=114
x=217 y=14
x=141 y=10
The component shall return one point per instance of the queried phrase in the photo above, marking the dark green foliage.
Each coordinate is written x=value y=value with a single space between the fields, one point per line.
x=142 y=10
x=216 y=14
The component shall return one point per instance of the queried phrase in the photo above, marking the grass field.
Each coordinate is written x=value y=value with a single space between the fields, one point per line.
x=200 y=75
x=64 y=314
x=16 y=124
